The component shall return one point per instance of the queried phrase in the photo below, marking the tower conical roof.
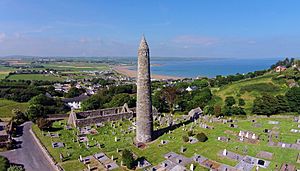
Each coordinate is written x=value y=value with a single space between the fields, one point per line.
x=143 y=44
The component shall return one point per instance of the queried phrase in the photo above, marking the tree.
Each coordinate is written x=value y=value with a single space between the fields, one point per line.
x=74 y=92
x=229 y=101
x=4 y=163
x=19 y=116
x=41 y=105
x=201 y=137
x=96 y=101
x=127 y=158
x=241 y=102
x=43 y=123
x=265 y=105
x=200 y=98
x=217 y=110
x=293 y=98
x=283 y=105
x=120 y=100
x=208 y=110
x=200 y=83
x=34 y=111
x=159 y=102
x=170 y=93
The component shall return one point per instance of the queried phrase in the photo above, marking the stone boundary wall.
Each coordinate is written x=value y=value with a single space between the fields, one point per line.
x=272 y=116
x=99 y=119
x=46 y=153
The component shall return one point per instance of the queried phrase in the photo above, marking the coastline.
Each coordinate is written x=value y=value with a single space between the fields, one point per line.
x=124 y=70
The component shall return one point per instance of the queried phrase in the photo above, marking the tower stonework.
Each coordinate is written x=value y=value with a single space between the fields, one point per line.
x=144 y=119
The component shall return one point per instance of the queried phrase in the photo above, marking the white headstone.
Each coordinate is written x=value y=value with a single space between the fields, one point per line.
x=224 y=152
x=253 y=136
x=192 y=167
x=80 y=158
x=283 y=145
x=116 y=139
x=247 y=135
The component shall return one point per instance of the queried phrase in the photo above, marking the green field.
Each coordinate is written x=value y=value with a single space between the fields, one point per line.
x=43 y=77
x=256 y=85
x=154 y=151
x=4 y=71
x=6 y=107
x=76 y=66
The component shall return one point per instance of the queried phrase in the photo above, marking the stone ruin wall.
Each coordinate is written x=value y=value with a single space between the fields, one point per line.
x=100 y=119
x=98 y=113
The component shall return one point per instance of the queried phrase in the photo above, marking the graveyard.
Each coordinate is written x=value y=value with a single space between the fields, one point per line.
x=272 y=143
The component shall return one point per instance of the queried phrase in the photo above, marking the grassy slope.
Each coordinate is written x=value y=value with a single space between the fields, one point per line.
x=6 y=106
x=233 y=89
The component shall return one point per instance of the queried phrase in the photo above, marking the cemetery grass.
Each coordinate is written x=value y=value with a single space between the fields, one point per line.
x=6 y=107
x=154 y=152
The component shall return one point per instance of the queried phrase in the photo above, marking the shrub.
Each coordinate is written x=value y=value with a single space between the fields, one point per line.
x=201 y=137
x=128 y=159
x=241 y=102
x=190 y=133
x=15 y=168
x=4 y=163
x=185 y=138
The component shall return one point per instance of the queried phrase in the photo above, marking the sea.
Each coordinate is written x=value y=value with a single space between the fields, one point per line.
x=208 y=67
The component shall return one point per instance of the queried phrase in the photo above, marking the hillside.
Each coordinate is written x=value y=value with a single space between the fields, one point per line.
x=249 y=89
x=6 y=107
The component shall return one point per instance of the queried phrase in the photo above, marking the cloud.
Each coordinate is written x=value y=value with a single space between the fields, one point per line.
x=195 y=40
x=2 y=37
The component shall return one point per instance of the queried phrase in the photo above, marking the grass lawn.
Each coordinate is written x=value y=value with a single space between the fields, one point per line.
x=45 y=77
x=154 y=151
x=6 y=107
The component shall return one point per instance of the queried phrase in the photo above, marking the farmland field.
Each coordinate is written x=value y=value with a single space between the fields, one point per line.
x=45 y=77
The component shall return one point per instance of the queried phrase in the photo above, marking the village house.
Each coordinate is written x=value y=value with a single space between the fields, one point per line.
x=280 y=68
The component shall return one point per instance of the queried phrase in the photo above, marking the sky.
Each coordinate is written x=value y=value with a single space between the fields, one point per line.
x=191 y=28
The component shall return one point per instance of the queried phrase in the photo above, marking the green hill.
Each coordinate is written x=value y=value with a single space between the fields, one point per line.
x=249 y=89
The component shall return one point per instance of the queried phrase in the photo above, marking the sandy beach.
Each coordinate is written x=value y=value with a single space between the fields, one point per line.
x=133 y=74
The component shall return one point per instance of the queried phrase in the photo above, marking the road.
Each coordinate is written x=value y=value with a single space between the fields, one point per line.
x=29 y=154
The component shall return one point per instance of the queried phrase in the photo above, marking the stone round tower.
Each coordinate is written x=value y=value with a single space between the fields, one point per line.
x=144 y=119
